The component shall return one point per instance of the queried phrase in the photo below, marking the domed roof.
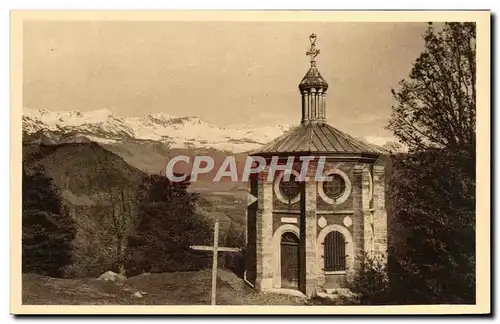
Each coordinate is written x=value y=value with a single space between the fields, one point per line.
x=314 y=136
x=313 y=79
x=318 y=138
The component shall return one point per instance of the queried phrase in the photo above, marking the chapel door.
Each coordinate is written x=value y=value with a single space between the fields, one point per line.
x=289 y=261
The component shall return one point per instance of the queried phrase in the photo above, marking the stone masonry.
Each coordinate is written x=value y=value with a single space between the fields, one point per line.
x=264 y=253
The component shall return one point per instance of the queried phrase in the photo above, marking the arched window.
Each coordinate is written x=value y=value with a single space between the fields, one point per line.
x=335 y=257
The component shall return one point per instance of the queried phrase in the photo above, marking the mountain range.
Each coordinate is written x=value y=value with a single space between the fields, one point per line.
x=104 y=127
x=148 y=142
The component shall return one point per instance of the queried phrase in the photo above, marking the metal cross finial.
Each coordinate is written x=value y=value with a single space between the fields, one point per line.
x=313 y=52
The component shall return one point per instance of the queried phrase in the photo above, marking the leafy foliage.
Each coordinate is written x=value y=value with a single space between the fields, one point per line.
x=371 y=282
x=234 y=261
x=436 y=106
x=167 y=225
x=432 y=188
x=48 y=229
x=433 y=195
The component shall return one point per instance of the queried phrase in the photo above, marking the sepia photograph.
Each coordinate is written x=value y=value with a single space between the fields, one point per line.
x=299 y=162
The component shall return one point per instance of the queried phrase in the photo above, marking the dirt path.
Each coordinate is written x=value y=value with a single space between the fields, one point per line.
x=177 y=288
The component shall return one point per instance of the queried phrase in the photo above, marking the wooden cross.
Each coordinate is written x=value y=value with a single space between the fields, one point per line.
x=215 y=250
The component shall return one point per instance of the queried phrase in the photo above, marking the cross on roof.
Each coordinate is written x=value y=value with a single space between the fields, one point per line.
x=313 y=51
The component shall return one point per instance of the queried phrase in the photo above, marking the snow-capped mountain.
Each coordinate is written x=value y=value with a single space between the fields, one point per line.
x=104 y=127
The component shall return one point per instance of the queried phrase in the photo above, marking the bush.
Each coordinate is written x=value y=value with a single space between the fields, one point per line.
x=372 y=282
x=48 y=229
x=232 y=236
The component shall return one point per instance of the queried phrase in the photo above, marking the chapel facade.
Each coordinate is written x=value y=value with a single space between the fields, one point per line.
x=309 y=235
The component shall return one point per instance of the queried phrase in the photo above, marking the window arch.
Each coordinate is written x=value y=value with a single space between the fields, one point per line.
x=335 y=252
x=289 y=238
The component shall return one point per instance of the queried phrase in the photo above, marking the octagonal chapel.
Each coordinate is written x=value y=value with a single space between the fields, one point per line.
x=305 y=234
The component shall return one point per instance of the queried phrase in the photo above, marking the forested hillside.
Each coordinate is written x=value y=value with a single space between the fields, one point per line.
x=82 y=204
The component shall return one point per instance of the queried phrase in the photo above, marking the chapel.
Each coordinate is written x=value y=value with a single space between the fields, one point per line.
x=309 y=235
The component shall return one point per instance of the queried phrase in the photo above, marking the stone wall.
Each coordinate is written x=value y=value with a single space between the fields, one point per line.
x=309 y=220
x=251 y=233
x=358 y=215
x=264 y=228
x=380 y=213
x=365 y=227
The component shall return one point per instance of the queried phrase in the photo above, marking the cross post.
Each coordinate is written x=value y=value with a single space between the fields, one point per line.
x=215 y=250
x=214 y=259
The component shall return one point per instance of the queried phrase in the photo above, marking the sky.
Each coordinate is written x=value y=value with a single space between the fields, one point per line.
x=225 y=73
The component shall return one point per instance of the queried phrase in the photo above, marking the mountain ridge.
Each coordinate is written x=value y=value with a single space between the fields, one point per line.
x=104 y=127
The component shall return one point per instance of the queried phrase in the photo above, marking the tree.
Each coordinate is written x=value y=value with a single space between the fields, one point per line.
x=394 y=147
x=433 y=198
x=116 y=210
x=432 y=187
x=436 y=106
x=48 y=229
x=106 y=215
x=232 y=236
x=168 y=224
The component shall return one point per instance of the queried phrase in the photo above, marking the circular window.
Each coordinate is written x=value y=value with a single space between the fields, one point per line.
x=288 y=191
x=337 y=189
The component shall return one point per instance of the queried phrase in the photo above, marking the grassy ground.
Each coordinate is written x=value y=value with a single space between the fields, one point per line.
x=179 y=288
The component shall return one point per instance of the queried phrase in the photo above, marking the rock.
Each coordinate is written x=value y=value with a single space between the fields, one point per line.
x=137 y=294
x=111 y=276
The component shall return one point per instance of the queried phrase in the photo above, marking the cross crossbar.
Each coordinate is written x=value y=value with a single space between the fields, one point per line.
x=215 y=249
x=211 y=248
